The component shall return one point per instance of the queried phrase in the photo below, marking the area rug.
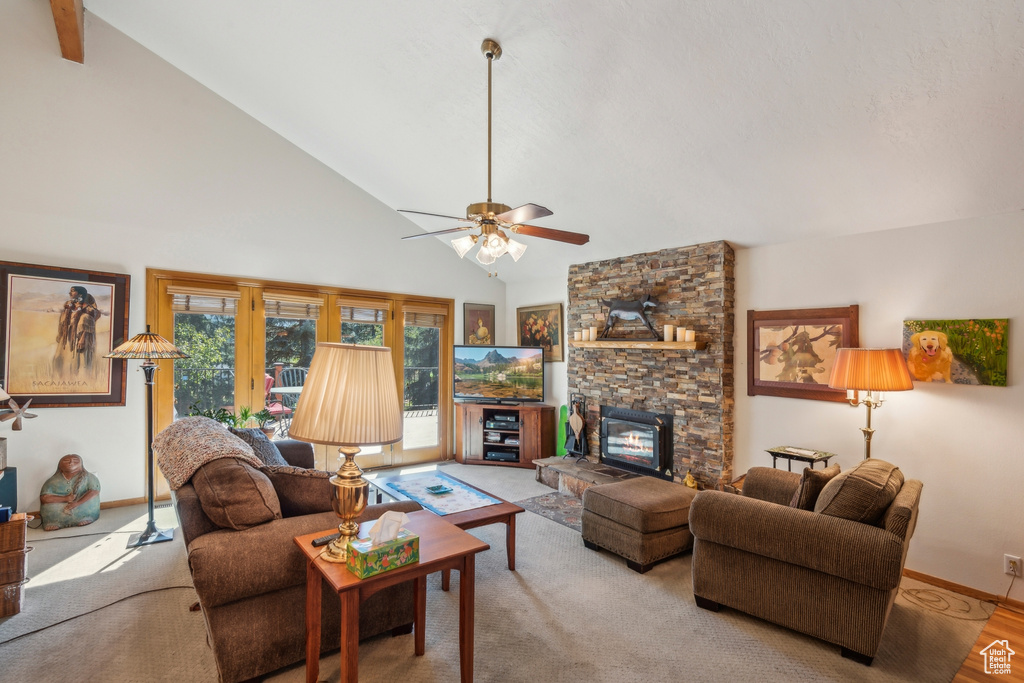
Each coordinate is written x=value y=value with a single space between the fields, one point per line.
x=564 y=508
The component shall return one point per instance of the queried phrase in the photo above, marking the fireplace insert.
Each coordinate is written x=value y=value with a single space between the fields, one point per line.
x=637 y=441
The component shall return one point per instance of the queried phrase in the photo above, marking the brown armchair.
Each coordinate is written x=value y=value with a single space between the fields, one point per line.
x=830 y=577
x=252 y=582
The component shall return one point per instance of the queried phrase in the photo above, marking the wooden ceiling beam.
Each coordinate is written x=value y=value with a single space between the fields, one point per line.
x=70 y=22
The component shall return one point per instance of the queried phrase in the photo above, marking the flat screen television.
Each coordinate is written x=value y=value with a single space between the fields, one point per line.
x=499 y=374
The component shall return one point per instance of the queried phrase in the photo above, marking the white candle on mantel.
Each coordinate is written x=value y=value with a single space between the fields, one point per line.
x=680 y=334
x=670 y=332
x=577 y=336
x=593 y=334
x=690 y=336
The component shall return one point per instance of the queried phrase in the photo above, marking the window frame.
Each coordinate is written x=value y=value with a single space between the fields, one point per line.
x=250 y=325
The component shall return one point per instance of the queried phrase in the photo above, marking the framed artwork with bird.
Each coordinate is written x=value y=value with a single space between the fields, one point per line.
x=791 y=352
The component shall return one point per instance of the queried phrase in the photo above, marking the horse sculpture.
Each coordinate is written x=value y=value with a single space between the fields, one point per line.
x=624 y=309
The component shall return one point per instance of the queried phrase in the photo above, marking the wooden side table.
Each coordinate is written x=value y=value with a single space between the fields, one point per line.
x=792 y=453
x=443 y=546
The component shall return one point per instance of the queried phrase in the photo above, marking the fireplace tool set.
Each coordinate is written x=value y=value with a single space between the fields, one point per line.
x=576 y=434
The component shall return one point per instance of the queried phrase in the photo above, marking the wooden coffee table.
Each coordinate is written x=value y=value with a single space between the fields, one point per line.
x=503 y=512
x=443 y=547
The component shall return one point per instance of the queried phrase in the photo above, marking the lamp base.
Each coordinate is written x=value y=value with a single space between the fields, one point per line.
x=349 y=493
x=337 y=550
x=150 y=536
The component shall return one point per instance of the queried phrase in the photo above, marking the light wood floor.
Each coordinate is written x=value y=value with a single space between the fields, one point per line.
x=1004 y=624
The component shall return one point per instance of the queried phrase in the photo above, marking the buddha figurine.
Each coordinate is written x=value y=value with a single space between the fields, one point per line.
x=71 y=497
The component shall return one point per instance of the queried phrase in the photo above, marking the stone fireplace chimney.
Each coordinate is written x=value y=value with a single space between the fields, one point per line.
x=694 y=287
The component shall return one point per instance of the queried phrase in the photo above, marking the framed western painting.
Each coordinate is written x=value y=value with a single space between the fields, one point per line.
x=542 y=326
x=59 y=323
x=790 y=353
x=478 y=324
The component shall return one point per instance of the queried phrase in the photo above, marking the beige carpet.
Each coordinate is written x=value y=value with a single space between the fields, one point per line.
x=566 y=614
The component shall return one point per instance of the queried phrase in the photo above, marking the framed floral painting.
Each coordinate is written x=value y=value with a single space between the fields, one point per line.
x=542 y=326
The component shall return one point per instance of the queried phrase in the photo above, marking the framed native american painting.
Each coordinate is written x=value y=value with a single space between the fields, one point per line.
x=790 y=353
x=59 y=323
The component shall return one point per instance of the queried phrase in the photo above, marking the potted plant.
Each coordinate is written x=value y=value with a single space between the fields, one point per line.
x=262 y=418
x=219 y=414
x=243 y=417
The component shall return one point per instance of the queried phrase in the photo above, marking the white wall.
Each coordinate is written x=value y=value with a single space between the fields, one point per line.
x=124 y=163
x=965 y=443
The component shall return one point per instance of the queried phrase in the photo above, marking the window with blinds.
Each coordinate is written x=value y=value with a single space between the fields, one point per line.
x=416 y=319
x=204 y=301
x=423 y=315
x=294 y=306
x=364 y=311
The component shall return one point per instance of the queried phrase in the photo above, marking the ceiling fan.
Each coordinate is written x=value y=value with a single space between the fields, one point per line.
x=492 y=218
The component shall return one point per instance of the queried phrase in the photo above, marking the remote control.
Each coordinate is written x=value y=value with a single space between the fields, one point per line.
x=324 y=540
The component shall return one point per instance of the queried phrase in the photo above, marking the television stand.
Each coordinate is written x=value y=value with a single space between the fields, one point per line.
x=504 y=434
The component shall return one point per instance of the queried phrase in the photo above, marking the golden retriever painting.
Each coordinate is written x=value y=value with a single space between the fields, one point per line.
x=930 y=358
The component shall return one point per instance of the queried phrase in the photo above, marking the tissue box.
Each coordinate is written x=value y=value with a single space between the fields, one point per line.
x=366 y=559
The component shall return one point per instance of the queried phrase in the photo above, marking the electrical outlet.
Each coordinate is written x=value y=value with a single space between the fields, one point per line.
x=1011 y=565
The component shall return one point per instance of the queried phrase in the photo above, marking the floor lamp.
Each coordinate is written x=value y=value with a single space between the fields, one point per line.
x=872 y=371
x=149 y=347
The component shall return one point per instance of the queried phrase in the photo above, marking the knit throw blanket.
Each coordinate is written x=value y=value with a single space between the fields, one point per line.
x=191 y=442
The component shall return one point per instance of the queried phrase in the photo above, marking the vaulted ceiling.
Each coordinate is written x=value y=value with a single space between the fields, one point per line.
x=644 y=123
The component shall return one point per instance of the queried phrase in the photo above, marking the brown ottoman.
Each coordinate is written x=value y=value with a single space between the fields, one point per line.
x=643 y=519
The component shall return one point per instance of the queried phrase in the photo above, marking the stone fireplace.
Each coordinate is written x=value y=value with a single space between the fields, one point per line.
x=637 y=441
x=693 y=287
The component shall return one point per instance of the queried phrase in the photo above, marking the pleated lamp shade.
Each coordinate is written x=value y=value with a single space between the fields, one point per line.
x=870 y=370
x=350 y=398
x=147 y=345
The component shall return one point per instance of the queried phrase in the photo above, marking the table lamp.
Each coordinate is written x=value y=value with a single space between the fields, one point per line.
x=873 y=371
x=350 y=399
x=148 y=346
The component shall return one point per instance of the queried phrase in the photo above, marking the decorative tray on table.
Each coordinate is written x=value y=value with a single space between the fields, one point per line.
x=438 y=490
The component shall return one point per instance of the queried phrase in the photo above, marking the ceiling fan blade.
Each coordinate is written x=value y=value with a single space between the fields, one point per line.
x=439 y=215
x=551 y=234
x=439 y=232
x=521 y=214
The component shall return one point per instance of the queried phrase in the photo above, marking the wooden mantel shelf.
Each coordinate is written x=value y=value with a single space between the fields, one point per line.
x=637 y=344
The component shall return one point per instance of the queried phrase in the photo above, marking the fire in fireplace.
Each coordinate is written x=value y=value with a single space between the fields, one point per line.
x=637 y=441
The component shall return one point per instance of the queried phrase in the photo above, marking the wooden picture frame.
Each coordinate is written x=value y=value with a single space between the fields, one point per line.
x=790 y=352
x=59 y=323
x=478 y=327
x=542 y=326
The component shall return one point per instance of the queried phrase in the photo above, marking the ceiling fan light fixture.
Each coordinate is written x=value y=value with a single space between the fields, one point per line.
x=515 y=249
x=463 y=244
x=485 y=256
x=491 y=216
x=497 y=244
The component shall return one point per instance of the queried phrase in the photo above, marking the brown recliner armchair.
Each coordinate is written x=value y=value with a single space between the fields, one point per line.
x=831 y=577
x=252 y=582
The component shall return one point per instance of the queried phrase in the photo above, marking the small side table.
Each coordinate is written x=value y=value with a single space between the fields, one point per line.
x=792 y=453
x=443 y=546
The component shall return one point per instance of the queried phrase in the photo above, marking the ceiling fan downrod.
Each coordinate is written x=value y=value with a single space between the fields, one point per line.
x=491 y=51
